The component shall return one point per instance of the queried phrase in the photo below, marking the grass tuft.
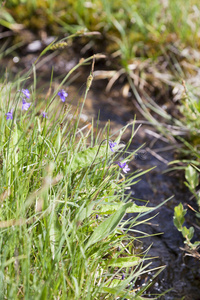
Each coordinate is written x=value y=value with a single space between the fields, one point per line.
x=63 y=201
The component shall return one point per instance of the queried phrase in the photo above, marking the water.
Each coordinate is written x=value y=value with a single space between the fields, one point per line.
x=182 y=273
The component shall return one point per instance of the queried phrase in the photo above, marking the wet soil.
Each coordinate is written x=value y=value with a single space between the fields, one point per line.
x=182 y=273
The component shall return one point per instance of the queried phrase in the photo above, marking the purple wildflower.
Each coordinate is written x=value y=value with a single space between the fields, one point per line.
x=44 y=114
x=112 y=145
x=97 y=216
x=62 y=94
x=25 y=92
x=124 y=167
x=123 y=277
x=25 y=105
x=9 y=115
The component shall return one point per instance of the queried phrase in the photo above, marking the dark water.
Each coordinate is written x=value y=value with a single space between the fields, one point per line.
x=182 y=273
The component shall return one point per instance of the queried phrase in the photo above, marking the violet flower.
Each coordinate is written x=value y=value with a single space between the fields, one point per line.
x=9 y=115
x=62 y=94
x=25 y=105
x=124 y=167
x=112 y=145
x=44 y=114
x=25 y=92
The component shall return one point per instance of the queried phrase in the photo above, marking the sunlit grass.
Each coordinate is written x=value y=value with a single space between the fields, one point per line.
x=152 y=46
x=64 y=197
x=134 y=28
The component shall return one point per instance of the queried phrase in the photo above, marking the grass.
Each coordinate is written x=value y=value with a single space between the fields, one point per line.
x=136 y=32
x=149 y=50
x=63 y=231
x=153 y=49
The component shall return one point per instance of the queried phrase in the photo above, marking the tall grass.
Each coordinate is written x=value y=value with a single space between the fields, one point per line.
x=153 y=42
x=63 y=193
x=141 y=27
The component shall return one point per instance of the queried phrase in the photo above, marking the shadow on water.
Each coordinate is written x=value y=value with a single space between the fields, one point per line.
x=182 y=273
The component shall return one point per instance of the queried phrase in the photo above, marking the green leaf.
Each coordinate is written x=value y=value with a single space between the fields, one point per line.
x=86 y=157
x=124 y=293
x=196 y=244
x=108 y=226
x=43 y=295
x=124 y=262
x=185 y=232
x=191 y=233
x=14 y=151
x=54 y=232
x=115 y=291
x=114 y=283
x=179 y=214
x=58 y=140
x=192 y=176
x=110 y=208
x=85 y=212
x=188 y=232
x=38 y=124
